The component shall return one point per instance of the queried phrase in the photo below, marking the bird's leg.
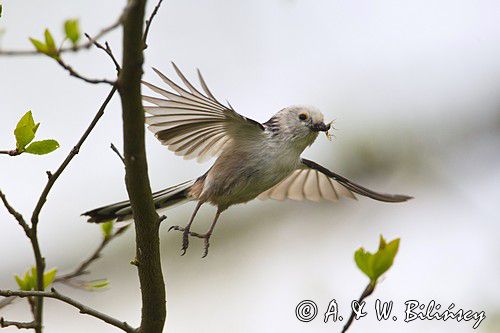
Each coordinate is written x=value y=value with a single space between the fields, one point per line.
x=185 y=231
x=206 y=236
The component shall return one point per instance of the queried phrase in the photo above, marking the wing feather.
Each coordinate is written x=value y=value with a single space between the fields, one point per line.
x=192 y=124
x=313 y=182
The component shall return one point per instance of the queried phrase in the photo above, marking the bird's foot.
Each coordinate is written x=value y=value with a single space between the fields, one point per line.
x=185 y=238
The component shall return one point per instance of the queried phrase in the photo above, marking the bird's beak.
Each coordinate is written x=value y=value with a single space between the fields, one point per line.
x=321 y=127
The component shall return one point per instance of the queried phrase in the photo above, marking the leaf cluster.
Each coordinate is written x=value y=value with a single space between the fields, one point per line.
x=373 y=265
x=48 y=46
x=25 y=132
x=28 y=281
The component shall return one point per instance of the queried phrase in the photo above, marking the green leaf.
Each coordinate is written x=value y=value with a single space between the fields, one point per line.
x=28 y=282
x=364 y=261
x=25 y=131
x=32 y=278
x=48 y=277
x=1 y=10
x=48 y=48
x=376 y=264
x=39 y=46
x=22 y=283
x=96 y=284
x=36 y=128
x=72 y=30
x=42 y=147
x=49 y=41
x=107 y=229
x=385 y=257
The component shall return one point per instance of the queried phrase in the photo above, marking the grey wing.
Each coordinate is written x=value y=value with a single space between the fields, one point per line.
x=314 y=182
x=192 y=124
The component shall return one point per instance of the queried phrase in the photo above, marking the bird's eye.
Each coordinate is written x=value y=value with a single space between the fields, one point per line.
x=302 y=116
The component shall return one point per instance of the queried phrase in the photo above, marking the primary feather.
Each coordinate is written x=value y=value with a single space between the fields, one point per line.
x=192 y=124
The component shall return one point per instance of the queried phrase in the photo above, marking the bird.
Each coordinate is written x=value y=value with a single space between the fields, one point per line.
x=253 y=159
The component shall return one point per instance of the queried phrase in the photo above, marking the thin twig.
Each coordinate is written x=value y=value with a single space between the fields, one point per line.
x=74 y=73
x=39 y=260
x=113 y=148
x=18 y=324
x=82 y=268
x=148 y=24
x=367 y=292
x=79 y=271
x=31 y=302
x=7 y=301
x=106 y=49
x=76 y=149
x=13 y=152
x=83 y=308
x=76 y=48
x=19 y=218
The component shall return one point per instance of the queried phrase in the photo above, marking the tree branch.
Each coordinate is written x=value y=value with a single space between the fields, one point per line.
x=19 y=218
x=30 y=325
x=148 y=23
x=76 y=48
x=13 y=152
x=83 y=308
x=367 y=292
x=39 y=260
x=76 y=149
x=6 y=301
x=117 y=152
x=82 y=268
x=74 y=73
x=137 y=180
x=108 y=51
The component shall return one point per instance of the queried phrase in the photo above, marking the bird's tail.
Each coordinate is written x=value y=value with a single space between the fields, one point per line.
x=120 y=211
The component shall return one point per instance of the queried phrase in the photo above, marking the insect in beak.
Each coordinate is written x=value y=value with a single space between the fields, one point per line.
x=327 y=132
x=321 y=127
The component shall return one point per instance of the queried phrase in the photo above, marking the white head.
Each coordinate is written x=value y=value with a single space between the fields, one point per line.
x=299 y=125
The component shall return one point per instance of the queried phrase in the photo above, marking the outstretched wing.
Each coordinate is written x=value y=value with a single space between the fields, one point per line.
x=195 y=125
x=314 y=182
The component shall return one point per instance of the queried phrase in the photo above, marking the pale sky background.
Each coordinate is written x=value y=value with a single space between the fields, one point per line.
x=413 y=87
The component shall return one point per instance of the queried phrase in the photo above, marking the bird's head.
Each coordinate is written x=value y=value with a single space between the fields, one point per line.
x=299 y=124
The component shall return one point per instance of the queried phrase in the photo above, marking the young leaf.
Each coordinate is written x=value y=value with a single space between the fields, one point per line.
x=48 y=277
x=22 y=283
x=39 y=46
x=385 y=256
x=107 y=229
x=25 y=131
x=72 y=30
x=376 y=264
x=48 y=48
x=32 y=278
x=364 y=261
x=28 y=282
x=36 y=128
x=42 y=147
x=96 y=284
x=49 y=40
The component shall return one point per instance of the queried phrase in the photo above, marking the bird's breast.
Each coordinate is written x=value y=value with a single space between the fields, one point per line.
x=239 y=176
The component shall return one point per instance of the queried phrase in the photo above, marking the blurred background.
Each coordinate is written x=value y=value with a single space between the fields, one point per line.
x=413 y=87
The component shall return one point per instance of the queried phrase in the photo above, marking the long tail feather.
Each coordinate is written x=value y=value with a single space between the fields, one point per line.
x=120 y=211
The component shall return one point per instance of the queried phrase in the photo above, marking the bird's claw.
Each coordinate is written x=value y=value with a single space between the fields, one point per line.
x=207 y=245
x=185 y=239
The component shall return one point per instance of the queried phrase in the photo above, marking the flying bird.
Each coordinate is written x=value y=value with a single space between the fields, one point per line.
x=254 y=160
